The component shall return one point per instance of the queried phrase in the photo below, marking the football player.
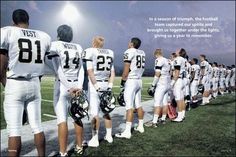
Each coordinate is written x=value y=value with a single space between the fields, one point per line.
x=187 y=82
x=222 y=79
x=131 y=85
x=101 y=74
x=161 y=82
x=232 y=79
x=215 y=79
x=195 y=74
x=204 y=79
x=210 y=77
x=177 y=83
x=22 y=52
x=227 y=79
x=67 y=62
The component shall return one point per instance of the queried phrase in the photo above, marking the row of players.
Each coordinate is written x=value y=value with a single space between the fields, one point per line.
x=206 y=78
x=25 y=52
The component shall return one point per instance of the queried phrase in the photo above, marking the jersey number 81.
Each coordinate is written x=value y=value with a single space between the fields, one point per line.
x=28 y=51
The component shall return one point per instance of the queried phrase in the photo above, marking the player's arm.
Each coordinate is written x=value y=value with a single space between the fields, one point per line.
x=192 y=74
x=111 y=78
x=81 y=75
x=157 y=75
x=57 y=68
x=3 y=65
x=125 y=74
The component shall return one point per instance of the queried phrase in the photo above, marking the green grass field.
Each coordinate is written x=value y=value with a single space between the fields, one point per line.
x=47 y=96
x=207 y=131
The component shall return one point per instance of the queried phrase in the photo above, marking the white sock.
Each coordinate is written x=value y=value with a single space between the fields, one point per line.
x=140 y=122
x=203 y=100
x=183 y=113
x=179 y=114
x=128 y=127
x=163 y=117
x=155 y=118
x=108 y=131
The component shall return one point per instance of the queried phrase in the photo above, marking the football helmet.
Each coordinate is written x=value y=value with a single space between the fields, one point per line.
x=121 y=99
x=78 y=107
x=200 y=88
x=107 y=101
x=151 y=91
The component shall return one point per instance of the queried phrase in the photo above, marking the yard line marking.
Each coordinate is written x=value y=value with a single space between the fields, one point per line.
x=50 y=115
x=47 y=100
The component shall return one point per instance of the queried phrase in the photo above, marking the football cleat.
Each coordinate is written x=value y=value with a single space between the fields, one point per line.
x=109 y=139
x=93 y=142
x=78 y=150
x=123 y=135
x=178 y=119
x=78 y=108
x=150 y=124
x=151 y=91
x=139 y=129
x=107 y=101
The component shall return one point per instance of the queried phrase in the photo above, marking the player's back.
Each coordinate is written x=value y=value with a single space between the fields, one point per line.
x=196 y=69
x=70 y=57
x=180 y=61
x=164 y=65
x=136 y=58
x=102 y=60
x=204 y=64
x=26 y=51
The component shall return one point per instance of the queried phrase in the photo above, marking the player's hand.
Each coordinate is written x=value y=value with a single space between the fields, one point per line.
x=74 y=91
x=99 y=91
x=152 y=88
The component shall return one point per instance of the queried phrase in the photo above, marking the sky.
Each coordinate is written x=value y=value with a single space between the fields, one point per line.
x=119 y=21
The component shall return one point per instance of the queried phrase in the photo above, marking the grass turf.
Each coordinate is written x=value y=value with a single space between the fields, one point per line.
x=47 y=96
x=207 y=131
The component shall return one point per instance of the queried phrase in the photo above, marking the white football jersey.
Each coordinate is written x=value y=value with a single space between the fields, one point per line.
x=196 y=69
x=180 y=61
x=26 y=51
x=164 y=66
x=233 y=73
x=223 y=73
x=205 y=65
x=136 y=58
x=228 y=73
x=215 y=72
x=188 y=68
x=102 y=62
x=70 y=57
x=210 y=73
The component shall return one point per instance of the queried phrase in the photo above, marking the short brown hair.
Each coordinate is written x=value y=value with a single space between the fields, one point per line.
x=98 y=41
x=158 y=52
x=203 y=56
